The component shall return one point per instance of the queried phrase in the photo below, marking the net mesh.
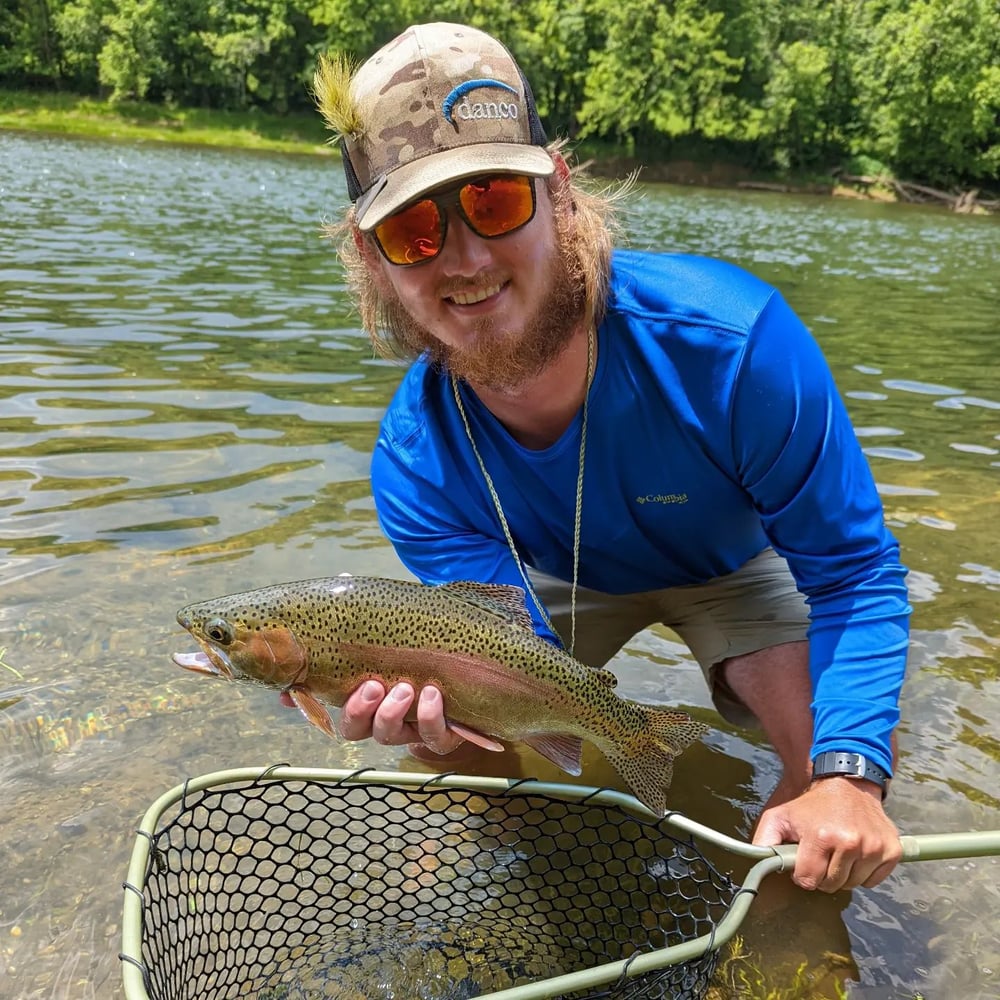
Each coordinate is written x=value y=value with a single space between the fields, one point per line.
x=295 y=889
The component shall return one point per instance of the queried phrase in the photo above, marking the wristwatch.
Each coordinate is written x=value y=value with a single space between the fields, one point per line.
x=849 y=765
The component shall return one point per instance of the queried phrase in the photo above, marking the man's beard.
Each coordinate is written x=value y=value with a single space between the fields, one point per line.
x=497 y=358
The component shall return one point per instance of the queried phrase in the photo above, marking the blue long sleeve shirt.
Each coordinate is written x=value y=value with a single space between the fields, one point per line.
x=715 y=430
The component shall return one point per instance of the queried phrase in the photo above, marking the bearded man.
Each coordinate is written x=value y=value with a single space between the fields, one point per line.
x=629 y=437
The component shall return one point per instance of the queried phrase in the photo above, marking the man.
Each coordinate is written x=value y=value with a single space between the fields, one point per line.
x=629 y=437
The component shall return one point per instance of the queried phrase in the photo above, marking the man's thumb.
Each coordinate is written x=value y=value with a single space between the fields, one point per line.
x=771 y=830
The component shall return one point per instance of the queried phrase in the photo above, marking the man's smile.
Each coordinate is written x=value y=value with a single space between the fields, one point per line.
x=470 y=298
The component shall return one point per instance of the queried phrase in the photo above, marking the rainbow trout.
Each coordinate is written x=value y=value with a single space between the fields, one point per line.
x=317 y=640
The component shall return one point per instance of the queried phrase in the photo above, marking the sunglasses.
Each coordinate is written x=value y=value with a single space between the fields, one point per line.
x=490 y=207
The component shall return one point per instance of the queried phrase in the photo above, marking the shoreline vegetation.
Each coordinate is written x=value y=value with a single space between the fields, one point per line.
x=303 y=133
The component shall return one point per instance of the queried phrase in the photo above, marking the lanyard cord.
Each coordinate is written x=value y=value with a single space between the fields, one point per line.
x=579 y=498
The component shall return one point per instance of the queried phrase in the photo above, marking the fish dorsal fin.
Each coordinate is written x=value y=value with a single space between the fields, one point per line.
x=499 y=599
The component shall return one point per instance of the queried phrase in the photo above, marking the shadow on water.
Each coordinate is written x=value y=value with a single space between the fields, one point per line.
x=187 y=407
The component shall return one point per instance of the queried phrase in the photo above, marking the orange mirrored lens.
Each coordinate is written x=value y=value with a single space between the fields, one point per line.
x=412 y=235
x=492 y=206
x=496 y=205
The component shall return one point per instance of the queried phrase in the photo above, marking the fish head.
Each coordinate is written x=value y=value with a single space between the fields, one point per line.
x=242 y=639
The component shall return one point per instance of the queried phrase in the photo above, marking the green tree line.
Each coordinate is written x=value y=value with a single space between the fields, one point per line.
x=909 y=85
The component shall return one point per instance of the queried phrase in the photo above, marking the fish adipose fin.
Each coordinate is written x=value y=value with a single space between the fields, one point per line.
x=307 y=703
x=564 y=751
x=646 y=760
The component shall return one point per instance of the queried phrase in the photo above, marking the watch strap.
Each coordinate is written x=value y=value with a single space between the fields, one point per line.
x=849 y=765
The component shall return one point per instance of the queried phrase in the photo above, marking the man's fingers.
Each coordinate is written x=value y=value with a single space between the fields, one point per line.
x=833 y=867
x=389 y=727
x=431 y=723
x=371 y=712
x=878 y=867
x=841 y=873
x=770 y=831
x=812 y=864
x=881 y=873
x=358 y=713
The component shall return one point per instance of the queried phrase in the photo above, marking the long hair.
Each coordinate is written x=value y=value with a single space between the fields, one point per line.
x=586 y=228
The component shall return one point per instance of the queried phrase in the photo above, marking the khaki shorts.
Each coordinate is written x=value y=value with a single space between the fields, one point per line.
x=754 y=608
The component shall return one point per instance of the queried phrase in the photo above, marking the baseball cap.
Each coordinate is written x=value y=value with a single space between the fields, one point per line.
x=438 y=103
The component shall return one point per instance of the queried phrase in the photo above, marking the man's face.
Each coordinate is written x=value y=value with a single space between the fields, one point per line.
x=491 y=311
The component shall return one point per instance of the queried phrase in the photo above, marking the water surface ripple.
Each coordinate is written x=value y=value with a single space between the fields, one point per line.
x=187 y=407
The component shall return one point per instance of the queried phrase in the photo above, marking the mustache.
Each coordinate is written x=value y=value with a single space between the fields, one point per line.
x=475 y=283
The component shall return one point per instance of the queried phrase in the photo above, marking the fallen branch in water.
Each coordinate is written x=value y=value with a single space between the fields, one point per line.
x=763 y=186
x=964 y=202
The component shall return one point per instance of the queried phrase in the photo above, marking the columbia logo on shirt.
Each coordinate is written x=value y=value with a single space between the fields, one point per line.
x=662 y=498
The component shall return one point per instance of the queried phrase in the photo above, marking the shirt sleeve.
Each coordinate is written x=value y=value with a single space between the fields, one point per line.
x=427 y=518
x=800 y=461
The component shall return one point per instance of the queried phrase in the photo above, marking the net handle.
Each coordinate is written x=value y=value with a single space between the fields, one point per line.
x=925 y=847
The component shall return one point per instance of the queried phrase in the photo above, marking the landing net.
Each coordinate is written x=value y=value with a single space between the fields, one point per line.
x=293 y=884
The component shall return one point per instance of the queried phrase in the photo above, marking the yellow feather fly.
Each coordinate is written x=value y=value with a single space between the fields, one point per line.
x=332 y=91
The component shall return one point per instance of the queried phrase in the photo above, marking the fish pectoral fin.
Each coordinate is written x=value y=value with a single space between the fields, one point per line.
x=564 y=751
x=476 y=737
x=313 y=709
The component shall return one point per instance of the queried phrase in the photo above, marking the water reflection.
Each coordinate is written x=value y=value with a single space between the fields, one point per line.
x=187 y=407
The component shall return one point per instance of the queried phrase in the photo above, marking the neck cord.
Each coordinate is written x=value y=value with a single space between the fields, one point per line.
x=579 y=497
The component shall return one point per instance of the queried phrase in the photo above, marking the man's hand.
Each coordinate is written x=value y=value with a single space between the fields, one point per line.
x=845 y=838
x=371 y=712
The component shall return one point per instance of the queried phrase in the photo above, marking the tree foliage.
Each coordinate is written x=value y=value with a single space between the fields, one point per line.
x=929 y=93
x=802 y=84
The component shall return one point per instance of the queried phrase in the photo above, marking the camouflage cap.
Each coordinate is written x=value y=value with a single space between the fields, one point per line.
x=438 y=103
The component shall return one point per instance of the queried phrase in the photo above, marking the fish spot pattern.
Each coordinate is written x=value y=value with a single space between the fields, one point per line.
x=472 y=640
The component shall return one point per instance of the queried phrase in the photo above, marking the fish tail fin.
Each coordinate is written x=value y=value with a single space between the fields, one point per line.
x=646 y=760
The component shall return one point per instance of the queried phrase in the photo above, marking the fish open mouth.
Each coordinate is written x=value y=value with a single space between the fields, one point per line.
x=206 y=661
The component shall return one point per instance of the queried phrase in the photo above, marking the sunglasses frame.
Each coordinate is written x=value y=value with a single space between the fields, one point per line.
x=451 y=198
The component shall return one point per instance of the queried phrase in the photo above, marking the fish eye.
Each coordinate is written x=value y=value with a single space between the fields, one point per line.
x=219 y=630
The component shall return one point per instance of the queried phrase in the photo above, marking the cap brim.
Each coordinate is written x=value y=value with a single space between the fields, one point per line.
x=411 y=180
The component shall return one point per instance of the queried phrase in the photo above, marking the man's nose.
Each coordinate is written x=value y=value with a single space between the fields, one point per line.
x=464 y=251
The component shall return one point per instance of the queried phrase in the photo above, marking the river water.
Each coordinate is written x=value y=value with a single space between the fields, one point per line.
x=187 y=406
